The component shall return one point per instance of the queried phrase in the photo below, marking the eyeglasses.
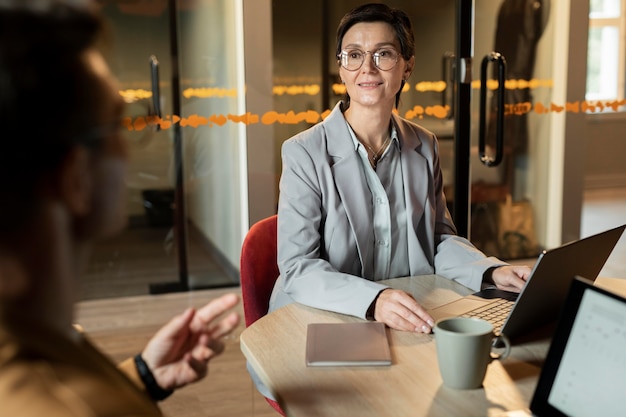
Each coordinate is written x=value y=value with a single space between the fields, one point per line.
x=384 y=59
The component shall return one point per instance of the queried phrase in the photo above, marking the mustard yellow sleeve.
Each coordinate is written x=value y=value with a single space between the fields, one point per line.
x=130 y=370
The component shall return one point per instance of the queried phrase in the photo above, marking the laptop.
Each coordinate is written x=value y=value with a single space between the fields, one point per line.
x=584 y=374
x=541 y=299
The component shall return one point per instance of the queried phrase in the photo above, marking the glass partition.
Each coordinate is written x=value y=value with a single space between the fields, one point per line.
x=176 y=64
x=138 y=38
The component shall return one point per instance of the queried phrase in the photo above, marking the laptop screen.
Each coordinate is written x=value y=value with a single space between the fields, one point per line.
x=585 y=370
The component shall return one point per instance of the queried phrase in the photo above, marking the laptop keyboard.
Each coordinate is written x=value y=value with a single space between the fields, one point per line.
x=495 y=313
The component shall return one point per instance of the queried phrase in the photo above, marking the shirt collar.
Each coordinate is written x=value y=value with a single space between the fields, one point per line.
x=355 y=141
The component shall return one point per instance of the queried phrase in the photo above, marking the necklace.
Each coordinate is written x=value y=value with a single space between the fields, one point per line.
x=374 y=155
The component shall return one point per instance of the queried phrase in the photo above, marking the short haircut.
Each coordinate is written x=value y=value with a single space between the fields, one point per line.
x=377 y=12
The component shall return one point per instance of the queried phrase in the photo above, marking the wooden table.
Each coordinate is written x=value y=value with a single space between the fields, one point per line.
x=411 y=386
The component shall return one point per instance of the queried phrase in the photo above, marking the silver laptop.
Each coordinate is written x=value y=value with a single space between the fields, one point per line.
x=545 y=291
x=584 y=374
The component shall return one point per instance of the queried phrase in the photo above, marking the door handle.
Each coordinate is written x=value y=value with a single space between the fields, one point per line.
x=482 y=134
x=156 y=89
x=447 y=76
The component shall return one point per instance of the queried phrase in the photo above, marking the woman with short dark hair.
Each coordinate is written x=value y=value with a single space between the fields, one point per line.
x=361 y=193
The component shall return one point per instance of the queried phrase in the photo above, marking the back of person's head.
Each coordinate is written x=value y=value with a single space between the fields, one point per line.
x=378 y=12
x=45 y=96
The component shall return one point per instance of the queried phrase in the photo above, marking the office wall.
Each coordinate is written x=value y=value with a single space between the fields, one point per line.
x=261 y=156
x=215 y=176
x=602 y=136
x=605 y=140
x=230 y=169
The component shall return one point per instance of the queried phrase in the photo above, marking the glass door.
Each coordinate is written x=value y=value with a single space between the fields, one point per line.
x=138 y=47
x=168 y=57
x=510 y=126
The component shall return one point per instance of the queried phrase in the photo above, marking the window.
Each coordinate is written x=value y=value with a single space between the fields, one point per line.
x=606 y=48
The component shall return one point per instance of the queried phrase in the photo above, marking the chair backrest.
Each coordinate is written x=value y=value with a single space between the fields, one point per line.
x=258 y=268
x=259 y=271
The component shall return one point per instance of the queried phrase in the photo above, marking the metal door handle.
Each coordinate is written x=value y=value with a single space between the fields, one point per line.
x=482 y=134
x=447 y=76
x=156 y=89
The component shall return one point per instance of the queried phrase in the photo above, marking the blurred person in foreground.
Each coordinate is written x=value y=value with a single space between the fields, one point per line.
x=62 y=171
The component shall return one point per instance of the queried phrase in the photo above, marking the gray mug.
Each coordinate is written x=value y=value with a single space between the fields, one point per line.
x=464 y=349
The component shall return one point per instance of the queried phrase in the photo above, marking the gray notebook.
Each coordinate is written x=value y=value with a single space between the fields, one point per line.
x=347 y=344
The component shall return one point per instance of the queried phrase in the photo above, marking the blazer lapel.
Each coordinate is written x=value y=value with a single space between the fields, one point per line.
x=416 y=189
x=350 y=182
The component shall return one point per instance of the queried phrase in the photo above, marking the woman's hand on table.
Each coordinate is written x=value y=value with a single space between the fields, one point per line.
x=399 y=310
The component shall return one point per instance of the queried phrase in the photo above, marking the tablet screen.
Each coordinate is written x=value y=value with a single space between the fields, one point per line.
x=591 y=377
x=584 y=374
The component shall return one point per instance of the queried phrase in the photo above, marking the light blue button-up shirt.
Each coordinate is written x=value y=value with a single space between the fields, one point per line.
x=389 y=254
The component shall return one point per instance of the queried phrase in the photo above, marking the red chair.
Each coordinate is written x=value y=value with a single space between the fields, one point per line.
x=259 y=271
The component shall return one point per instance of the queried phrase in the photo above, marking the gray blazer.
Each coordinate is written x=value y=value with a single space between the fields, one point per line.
x=325 y=219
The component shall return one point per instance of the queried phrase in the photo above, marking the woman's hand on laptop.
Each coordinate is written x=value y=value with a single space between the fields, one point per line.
x=510 y=277
x=399 y=310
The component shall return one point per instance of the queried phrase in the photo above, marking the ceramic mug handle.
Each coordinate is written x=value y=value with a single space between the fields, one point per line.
x=498 y=341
